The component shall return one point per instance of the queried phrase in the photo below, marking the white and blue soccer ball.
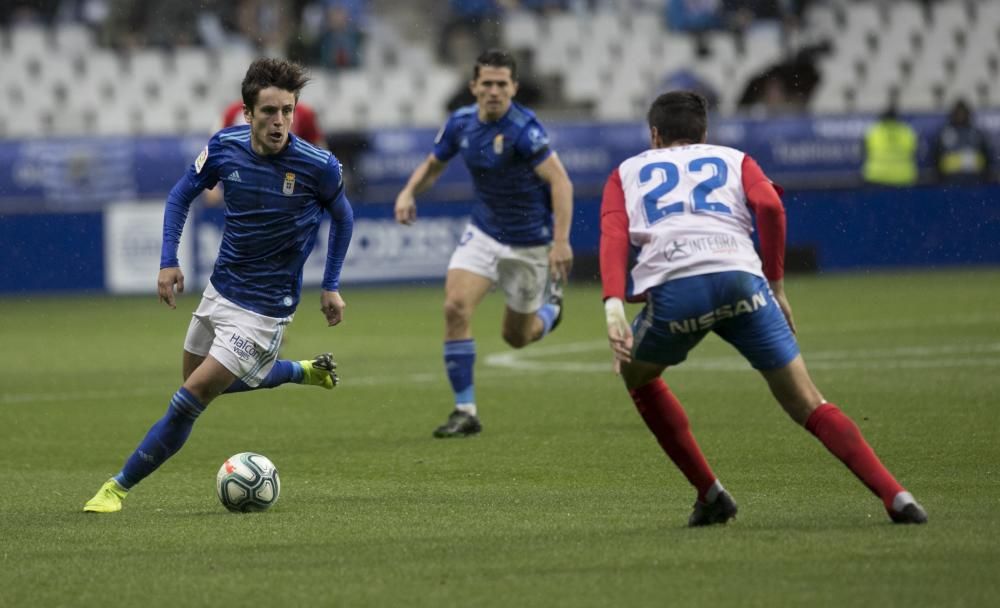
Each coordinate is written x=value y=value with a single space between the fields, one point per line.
x=248 y=482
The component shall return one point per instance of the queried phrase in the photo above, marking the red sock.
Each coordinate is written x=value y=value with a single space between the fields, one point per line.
x=843 y=438
x=665 y=417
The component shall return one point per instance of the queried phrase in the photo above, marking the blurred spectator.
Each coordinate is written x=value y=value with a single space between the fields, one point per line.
x=694 y=15
x=125 y=26
x=161 y=23
x=28 y=12
x=784 y=88
x=339 y=44
x=266 y=25
x=890 y=150
x=544 y=7
x=357 y=10
x=961 y=151
x=767 y=96
x=786 y=15
x=745 y=12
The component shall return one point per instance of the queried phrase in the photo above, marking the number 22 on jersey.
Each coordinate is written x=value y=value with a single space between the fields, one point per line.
x=664 y=199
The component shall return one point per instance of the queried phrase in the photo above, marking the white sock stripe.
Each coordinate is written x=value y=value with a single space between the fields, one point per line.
x=184 y=407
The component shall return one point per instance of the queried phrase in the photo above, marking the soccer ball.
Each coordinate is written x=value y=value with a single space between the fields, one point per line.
x=248 y=482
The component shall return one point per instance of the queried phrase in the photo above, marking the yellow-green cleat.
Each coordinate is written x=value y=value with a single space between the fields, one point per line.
x=321 y=371
x=108 y=499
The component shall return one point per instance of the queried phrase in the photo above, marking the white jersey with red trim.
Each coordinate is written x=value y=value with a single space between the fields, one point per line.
x=688 y=214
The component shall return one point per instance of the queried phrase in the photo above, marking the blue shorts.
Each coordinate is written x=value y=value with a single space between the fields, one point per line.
x=736 y=305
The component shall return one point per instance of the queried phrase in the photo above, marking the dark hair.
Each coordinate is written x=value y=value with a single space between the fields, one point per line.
x=496 y=58
x=679 y=116
x=267 y=72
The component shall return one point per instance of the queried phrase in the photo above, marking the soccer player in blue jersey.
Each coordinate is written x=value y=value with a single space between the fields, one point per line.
x=277 y=189
x=519 y=234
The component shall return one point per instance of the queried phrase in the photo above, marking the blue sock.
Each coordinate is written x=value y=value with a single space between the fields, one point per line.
x=163 y=439
x=459 y=358
x=282 y=372
x=547 y=313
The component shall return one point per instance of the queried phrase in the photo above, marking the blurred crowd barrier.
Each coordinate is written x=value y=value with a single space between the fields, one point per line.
x=86 y=213
x=86 y=173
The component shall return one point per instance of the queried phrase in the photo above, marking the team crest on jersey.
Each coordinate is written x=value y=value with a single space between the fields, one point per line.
x=200 y=161
x=289 y=185
x=498 y=144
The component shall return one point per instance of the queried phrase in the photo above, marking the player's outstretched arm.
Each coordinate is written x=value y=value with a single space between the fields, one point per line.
x=422 y=178
x=165 y=282
x=561 y=255
x=332 y=306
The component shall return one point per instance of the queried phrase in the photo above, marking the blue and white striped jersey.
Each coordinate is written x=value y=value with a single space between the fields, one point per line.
x=513 y=204
x=274 y=205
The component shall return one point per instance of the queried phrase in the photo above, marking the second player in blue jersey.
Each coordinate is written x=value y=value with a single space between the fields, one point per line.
x=518 y=236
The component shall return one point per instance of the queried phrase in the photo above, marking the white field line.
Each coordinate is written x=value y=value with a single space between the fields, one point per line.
x=905 y=357
x=165 y=390
x=539 y=359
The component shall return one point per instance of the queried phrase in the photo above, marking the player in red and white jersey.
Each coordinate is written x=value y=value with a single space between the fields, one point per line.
x=685 y=207
x=710 y=232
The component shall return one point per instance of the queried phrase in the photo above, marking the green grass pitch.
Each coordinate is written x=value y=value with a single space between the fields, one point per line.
x=565 y=499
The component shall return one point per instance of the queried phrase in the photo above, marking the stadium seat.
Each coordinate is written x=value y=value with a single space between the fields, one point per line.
x=583 y=85
x=922 y=95
x=948 y=18
x=608 y=64
x=190 y=64
x=552 y=52
x=439 y=86
x=871 y=98
x=29 y=41
x=520 y=31
x=29 y=123
x=73 y=39
x=829 y=97
x=348 y=93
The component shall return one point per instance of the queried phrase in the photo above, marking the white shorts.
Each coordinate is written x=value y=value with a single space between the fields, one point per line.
x=244 y=342
x=521 y=272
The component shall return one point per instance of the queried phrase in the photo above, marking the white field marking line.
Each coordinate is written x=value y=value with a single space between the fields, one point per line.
x=165 y=391
x=512 y=363
x=904 y=357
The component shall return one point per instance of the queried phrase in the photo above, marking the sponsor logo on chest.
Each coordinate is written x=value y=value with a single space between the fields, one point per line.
x=679 y=249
